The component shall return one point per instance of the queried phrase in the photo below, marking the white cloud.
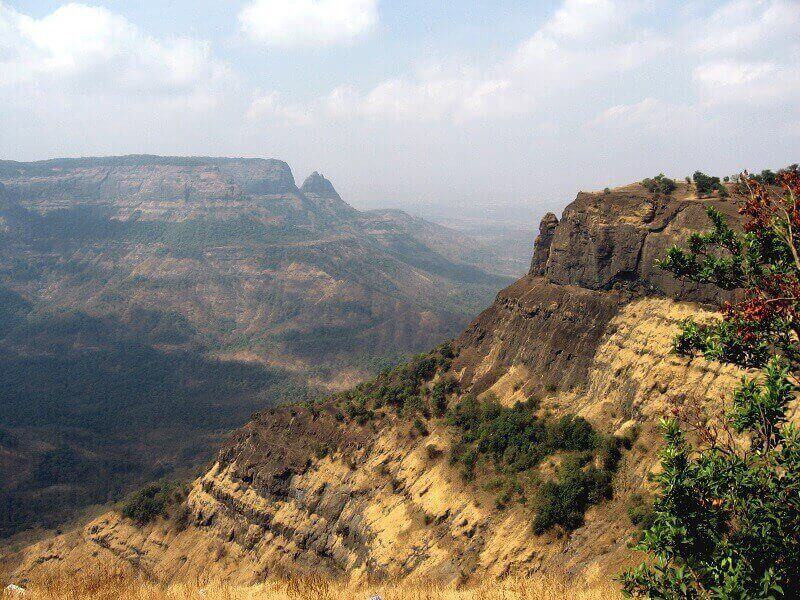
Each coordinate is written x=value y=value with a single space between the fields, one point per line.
x=308 y=22
x=746 y=52
x=740 y=82
x=744 y=27
x=732 y=73
x=652 y=114
x=85 y=50
x=583 y=41
x=271 y=108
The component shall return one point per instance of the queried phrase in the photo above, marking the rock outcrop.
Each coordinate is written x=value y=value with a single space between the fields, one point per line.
x=317 y=184
x=541 y=248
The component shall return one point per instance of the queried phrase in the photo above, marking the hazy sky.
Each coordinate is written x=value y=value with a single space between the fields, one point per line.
x=412 y=103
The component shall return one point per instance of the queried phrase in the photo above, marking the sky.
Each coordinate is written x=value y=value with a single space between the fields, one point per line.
x=440 y=107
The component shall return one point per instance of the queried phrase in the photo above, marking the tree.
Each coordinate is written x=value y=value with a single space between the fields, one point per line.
x=660 y=184
x=726 y=521
x=704 y=184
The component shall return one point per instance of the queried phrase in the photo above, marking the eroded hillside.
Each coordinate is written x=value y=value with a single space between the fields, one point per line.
x=453 y=466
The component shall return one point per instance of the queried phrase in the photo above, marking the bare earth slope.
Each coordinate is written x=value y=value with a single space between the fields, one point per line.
x=302 y=488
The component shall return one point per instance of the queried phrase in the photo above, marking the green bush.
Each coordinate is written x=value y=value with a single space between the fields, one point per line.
x=660 y=184
x=439 y=393
x=640 y=511
x=726 y=514
x=151 y=503
x=564 y=501
x=514 y=441
x=704 y=184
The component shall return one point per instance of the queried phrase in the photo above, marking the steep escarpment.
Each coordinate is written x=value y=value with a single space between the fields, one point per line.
x=383 y=482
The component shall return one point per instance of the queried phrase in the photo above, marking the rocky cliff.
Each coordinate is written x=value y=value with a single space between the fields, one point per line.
x=587 y=332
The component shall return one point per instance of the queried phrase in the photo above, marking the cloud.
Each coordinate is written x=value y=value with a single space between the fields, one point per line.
x=746 y=27
x=269 y=107
x=748 y=53
x=308 y=22
x=90 y=51
x=742 y=82
x=583 y=41
x=652 y=114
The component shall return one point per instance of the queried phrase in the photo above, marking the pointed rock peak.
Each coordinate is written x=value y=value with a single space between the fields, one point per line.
x=317 y=184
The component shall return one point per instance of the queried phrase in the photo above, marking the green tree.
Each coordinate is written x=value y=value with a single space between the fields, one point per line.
x=726 y=519
x=704 y=184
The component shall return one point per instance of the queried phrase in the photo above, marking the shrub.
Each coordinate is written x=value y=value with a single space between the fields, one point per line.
x=439 y=393
x=151 y=503
x=514 y=441
x=563 y=502
x=660 y=184
x=767 y=177
x=640 y=511
x=704 y=184
x=726 y=518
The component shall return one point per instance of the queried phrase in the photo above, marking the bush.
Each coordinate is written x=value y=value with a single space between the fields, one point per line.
x=151 y=503
x=705 y=184
x=563 y=502
x=766 y=177
x=726 y=515
x=441 y=390
x=402 y=388
x=640 y=511
x=660 y=184
x=514 y=441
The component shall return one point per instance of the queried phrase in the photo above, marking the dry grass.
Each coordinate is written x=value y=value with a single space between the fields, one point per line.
x=112 y=585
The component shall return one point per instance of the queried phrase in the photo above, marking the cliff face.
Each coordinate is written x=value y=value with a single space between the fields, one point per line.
x=587 y=331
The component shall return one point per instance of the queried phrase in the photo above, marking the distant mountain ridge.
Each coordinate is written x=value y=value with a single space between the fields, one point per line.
x=159 y=275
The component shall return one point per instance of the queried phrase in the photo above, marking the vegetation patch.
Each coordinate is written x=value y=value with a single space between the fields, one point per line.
x=157 y=500
x=404 y=389
x=510 y=443
x=660 y=184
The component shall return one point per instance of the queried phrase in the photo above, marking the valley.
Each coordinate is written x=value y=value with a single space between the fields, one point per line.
x=152 y=304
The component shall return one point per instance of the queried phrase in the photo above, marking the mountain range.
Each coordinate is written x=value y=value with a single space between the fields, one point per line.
x=150 y=304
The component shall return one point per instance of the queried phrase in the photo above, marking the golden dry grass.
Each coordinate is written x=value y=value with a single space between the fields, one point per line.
x=113 y=585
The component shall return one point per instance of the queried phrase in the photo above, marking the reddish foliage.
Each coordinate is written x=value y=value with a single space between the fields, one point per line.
x=774 y=294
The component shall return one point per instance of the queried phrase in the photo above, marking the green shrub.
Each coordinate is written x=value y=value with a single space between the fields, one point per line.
x=660 y=184
x=726 y=514
x=514 y=441
x=151 y=503
x=564 y=501
x=704 y=184
x=441 y=390
x=640 y=511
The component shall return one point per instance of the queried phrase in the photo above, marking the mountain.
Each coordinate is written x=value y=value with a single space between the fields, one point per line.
x=151 y=304
x=523 y=447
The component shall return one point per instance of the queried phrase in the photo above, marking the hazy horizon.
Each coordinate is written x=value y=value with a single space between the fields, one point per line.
x=439 y=110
